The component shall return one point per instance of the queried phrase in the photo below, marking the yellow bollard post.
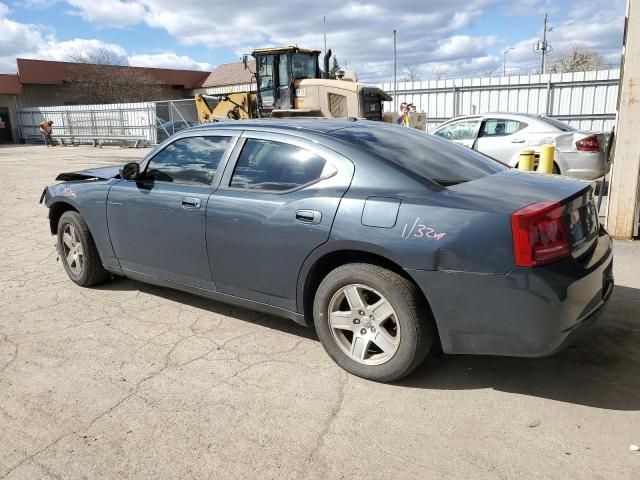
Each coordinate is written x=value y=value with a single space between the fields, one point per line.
x=547 y=153
x=527 y=157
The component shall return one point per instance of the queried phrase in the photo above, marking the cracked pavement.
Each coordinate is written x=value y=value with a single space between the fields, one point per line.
x=129 y=380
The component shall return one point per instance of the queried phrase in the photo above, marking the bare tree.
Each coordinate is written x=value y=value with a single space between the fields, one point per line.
x=439 y=72
x=579 y=58
x=409 y=74
x=98 y=56
x=102 y=76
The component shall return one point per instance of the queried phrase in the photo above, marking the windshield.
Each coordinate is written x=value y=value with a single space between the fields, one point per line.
x=428 y=156
x=304 y=65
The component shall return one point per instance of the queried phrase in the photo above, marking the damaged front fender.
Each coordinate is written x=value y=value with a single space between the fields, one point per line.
x=101 y=173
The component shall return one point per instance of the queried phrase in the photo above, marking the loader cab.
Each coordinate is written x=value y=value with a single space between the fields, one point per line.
x=277 y=69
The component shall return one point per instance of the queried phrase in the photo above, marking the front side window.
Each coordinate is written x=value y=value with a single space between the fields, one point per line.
x=462 y=130
x=276 y=166
x=496 y=127
x=191 y=160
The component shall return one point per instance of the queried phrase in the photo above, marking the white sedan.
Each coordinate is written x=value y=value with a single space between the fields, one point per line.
x=502 y=136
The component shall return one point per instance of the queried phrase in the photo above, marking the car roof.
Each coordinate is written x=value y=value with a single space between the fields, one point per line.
x=315 y=125
x=505 y=115
x=533 y=120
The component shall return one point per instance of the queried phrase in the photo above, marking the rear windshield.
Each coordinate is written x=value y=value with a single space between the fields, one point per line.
x=428 y=156
x=565 y=127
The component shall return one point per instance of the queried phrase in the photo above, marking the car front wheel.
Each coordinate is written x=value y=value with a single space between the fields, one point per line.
x=78 y=251
x=372 y=322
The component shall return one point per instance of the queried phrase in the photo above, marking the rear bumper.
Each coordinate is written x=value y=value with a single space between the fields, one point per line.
x=583 y=324
x=583 y=165
x=529 y=312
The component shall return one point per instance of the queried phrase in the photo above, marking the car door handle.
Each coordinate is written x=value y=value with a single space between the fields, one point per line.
x=517 y=141
x=312 y=217
x=190 y=202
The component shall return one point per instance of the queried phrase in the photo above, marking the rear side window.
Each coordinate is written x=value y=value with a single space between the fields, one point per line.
x=421 y=154
x=276 y=166
x=191 y=160
x=496 y=127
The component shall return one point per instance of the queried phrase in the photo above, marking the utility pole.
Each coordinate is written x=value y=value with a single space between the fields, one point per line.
x=395 y=78
x=542 y=47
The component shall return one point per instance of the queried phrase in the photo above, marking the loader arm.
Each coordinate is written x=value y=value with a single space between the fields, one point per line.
x=235 y=106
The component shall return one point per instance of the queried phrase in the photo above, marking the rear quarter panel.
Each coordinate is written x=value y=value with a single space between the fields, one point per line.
x=431 y=233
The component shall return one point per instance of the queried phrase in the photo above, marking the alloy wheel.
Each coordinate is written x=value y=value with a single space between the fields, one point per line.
x=364 y=324
x=72 y=249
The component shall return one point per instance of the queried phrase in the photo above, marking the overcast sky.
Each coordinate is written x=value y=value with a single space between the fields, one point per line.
x=437 y=38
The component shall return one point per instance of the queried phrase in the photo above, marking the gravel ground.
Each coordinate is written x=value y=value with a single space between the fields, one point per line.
x=133 y=381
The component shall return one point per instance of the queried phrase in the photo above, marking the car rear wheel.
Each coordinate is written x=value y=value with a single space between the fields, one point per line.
x=372 y=322
x=78 y=251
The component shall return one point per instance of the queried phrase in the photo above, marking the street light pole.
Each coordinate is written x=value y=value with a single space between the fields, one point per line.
x=504 y=62
x=324 y=23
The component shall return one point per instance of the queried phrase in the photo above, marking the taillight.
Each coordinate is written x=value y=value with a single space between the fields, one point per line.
x=539 y=234
x=588 y=144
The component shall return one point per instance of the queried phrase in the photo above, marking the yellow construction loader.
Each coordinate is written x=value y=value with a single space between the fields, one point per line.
x=289 y=83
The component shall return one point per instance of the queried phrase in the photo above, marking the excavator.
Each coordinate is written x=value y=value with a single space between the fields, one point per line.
x=289 y=83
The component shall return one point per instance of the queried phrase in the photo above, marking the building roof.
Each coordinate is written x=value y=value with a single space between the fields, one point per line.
x=231 y=74
x=9 y=84
x=44 y=72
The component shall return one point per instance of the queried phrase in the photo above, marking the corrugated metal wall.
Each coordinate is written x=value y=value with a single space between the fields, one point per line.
x=52 y=95
x=586 y=100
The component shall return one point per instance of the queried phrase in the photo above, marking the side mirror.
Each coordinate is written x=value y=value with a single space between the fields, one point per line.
x=131 y=171
x=244 y=61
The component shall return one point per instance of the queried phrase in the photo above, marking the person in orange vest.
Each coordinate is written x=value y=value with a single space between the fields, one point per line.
x=45 y=128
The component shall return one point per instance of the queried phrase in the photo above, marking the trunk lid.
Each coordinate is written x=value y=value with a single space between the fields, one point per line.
x=511 y=190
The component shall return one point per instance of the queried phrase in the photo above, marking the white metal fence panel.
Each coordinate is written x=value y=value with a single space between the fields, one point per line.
x=150 y=121
x=586 y=100
x=111 y=120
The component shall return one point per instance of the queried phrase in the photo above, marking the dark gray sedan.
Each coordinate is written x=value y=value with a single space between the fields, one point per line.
x=385 y=240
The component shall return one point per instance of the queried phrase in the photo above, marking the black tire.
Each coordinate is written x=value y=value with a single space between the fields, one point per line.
x=91 y=272
x=417 y=326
